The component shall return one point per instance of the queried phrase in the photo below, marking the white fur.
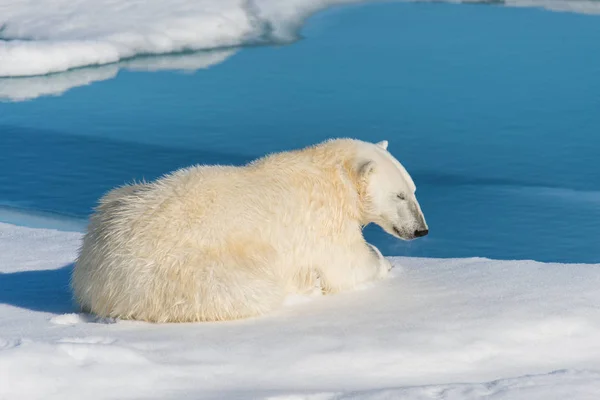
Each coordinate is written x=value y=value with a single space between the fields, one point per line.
x=212 y=243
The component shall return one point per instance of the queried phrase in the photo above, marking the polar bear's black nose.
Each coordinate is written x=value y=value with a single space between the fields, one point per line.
x=420 y=233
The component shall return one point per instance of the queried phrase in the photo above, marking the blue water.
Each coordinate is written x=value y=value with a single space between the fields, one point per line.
x=494 y=111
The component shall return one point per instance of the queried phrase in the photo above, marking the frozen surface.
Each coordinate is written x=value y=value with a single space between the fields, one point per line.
x=436 y=329
x=56 y=35
x=20 y=89
x=41 y=37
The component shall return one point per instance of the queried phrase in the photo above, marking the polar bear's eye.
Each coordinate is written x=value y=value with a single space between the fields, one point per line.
x=401 y=196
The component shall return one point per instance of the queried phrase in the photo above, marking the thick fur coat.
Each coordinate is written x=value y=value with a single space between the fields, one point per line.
x=210 y=243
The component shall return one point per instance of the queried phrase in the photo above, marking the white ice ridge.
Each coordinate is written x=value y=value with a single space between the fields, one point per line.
x=31 y=87
x=443 y=329
x=39 y=37
x=46 y=36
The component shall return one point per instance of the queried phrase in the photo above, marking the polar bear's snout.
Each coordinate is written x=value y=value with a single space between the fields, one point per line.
x=421 y=226
x=407 y=222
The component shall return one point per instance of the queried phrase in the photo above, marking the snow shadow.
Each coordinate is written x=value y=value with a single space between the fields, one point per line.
x=44 y=290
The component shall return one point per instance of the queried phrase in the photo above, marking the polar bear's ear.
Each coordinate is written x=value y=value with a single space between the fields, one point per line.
x=365 y=168
x=383 y=144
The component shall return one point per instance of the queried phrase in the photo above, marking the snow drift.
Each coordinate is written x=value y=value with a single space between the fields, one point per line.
x=436 y=329
x=27 y=88
x=42 y=37
x=57 y=35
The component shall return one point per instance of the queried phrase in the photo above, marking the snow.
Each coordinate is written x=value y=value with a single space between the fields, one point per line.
x=48 y=36
x=27 y=88
x=62 y=34
x=435 y=329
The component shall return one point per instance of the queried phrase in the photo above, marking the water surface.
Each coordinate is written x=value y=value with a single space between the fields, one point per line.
x=493 y=110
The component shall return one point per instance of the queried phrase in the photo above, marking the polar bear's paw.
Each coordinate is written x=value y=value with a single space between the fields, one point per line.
x=384 y=265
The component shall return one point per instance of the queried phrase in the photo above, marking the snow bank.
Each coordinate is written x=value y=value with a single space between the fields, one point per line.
x=436 y=329
x=31 y=87
x=57 y=35
x=42 y=37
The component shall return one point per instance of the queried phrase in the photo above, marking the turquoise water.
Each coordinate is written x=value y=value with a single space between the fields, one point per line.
x=494 y=111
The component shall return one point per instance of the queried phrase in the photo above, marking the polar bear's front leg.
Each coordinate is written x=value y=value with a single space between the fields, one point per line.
x=384 y=265
x=359 y=264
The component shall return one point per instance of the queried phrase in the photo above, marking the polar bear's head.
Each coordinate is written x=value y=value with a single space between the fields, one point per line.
x=388 y=193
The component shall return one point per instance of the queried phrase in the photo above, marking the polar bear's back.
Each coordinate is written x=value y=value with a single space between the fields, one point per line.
x=156 y=251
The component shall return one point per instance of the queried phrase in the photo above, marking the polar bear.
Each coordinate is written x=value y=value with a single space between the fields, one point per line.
x=209 y=243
